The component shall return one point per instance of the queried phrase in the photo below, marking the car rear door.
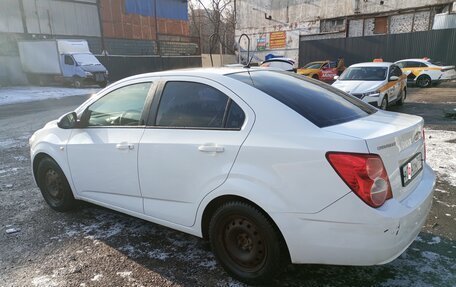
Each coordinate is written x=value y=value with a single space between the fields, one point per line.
x=191 y=141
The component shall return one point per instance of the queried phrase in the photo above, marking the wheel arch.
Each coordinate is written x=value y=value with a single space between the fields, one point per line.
x=215 y=203
x=36 y=161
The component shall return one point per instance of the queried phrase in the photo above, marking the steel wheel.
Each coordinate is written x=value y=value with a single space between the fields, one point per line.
x=244 y=243
x=54 y=185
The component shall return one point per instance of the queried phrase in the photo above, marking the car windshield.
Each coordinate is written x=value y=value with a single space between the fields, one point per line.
x=364 y=74
x=321 y=104
x=313 y=66
x=85 y=59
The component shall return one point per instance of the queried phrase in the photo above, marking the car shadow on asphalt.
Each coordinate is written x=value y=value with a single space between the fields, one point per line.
x=188 y=261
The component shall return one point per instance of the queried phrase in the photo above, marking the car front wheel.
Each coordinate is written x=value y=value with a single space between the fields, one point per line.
x=246 y=243
x=54 y=186
x=423 y=81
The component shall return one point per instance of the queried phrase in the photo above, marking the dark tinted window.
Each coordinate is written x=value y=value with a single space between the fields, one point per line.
x=411 y=64
x=321 y=104
x=235 y=117
x=69 y=60
x=395 y=71
x=191 y=105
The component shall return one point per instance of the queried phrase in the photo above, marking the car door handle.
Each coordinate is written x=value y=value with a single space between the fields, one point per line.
x=125 y=146
x=211 y=148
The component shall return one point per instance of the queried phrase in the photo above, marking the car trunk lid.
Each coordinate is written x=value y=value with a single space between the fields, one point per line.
x=397 y=139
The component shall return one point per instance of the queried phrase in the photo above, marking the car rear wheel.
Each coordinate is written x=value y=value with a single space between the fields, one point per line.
x=315 y=77
x=384 y=104
x=246 y=243
x=54 y=186
x=423 y=81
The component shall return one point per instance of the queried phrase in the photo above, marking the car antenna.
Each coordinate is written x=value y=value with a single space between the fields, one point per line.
x=248 y=50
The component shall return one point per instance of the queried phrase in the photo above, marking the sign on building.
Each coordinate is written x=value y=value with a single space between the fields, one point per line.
x=277 y=40
x=261 y=42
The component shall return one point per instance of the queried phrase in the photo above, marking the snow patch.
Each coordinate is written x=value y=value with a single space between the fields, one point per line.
x=124 y=274
x=44 y=281
x=439 y=152
x=158 y=254
x=97 y=277
x=15 y=95
x=434 y=240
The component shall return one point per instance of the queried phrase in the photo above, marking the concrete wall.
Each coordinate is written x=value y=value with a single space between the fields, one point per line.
x=311 y=20
x=218 y=62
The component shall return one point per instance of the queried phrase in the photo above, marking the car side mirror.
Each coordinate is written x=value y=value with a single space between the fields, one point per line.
x=393 y=78
x=336 y=77
x=68 y=121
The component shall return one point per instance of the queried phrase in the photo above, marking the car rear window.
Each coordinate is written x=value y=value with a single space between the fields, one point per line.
x=321 y=104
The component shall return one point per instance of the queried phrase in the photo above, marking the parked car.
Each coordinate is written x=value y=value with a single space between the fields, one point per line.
x=65 y=61
x=285 y=64
x=320 y=70
x=380 y=84
x=425 y=72
x=199 y=151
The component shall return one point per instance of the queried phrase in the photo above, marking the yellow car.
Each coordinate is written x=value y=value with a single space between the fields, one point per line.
x=320 y=70
x=424 y=72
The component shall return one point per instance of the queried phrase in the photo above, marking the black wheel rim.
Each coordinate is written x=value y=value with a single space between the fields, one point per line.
x=424 y=82
x=244 y=243
x=54 y=186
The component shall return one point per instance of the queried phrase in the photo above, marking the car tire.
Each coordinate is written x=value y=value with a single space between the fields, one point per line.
x=54 y=186
x=424 y=81
x=246 y=243
x=384 y=104
x=315 y=77
x=402 y=96
x=77 y=83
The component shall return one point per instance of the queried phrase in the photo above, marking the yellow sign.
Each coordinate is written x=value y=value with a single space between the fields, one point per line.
x=277 y=40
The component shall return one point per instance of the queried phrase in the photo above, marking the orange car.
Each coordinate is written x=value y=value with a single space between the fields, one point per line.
x=320 y=70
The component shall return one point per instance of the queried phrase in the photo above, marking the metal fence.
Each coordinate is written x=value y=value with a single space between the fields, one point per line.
x=436 y=44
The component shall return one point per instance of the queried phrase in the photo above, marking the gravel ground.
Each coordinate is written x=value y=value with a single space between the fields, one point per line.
x=93 y=246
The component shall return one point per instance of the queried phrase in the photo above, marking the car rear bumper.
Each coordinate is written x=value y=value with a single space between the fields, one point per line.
x=348 y=232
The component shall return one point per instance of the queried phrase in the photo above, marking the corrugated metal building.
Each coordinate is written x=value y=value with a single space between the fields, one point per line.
x=128 y=36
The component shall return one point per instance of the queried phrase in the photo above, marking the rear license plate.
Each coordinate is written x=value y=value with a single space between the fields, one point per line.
x=411 y=168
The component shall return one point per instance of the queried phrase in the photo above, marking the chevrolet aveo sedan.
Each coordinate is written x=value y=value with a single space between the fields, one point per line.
x=270 y=167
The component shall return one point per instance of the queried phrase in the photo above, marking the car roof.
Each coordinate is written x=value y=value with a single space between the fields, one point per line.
x=416 y=60
x=373 y=64
x=287 y=60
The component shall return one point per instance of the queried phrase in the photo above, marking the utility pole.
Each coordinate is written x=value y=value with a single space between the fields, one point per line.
x=24 y=21
x=100 y=23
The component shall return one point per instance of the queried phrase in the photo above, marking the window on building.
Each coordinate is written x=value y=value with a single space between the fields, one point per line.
x=332 y=25
x=381 y=25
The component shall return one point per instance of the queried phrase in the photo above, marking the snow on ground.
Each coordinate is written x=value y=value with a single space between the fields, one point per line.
x=441 y=153
x=13 y=95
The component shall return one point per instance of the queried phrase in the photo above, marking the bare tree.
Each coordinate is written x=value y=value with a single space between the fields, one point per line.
x=213 y=18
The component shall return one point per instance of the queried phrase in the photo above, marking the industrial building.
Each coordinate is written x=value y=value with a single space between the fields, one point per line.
x=358 y=30
x=128 y=36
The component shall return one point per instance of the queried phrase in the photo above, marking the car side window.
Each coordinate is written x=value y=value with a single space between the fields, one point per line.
x=121 y=107
x=196 y=105
x=69 y=60
x=395 y=71
x=412 y=64
x=401 y=64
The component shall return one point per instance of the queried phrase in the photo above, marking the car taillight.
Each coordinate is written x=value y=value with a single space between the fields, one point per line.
x=424 y=145
x=364 y=174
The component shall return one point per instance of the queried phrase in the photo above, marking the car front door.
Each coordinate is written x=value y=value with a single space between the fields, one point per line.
x=194 y=133
x=68 y=66
x=103 y=153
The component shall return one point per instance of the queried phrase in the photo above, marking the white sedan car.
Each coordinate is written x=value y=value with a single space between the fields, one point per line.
x=270 y=167
x=379 y=84
x=425 y=72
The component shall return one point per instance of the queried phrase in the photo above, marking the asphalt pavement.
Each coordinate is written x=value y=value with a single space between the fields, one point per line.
x=93 y=246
